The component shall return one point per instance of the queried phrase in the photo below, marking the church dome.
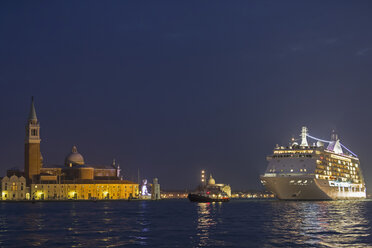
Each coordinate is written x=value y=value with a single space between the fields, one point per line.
x=74 y=158
x=211 y=180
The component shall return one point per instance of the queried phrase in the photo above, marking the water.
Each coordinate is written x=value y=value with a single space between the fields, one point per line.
x=179 y=223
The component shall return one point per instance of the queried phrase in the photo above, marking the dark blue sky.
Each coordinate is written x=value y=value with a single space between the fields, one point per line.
x=172 y=87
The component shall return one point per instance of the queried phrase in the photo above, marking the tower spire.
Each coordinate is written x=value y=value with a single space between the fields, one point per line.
x=33 y=158
x=32 y=115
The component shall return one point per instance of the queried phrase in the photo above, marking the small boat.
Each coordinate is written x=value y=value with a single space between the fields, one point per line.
x=210 y=191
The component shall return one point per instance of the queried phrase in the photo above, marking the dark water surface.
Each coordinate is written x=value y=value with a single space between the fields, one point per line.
x=179 y=223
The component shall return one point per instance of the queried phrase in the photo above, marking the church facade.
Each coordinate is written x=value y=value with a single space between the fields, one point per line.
x=74 y=180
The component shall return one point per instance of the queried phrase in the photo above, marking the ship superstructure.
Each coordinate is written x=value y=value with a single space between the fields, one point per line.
x=326 y=170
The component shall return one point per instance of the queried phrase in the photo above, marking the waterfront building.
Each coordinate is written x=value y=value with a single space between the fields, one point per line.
x=174 y=195
x=14 y=188
x=155 y=190
x=213 y=187
x=73 y=180
x=85 y=190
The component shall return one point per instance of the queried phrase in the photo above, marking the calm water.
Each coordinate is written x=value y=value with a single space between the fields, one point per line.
x=179 y=223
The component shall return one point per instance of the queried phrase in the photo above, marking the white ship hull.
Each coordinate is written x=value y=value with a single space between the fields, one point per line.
x=307 y=187
x=314 y=172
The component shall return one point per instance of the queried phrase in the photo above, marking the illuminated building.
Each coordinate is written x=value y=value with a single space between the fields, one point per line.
x=155 y=190
x=174 y=195
x=73 y=180
x=215 y=188
x=85 y=190
x=316 y=172
x=14 y=188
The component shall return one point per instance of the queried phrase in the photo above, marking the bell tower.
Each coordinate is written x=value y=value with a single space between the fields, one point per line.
x=33 y=159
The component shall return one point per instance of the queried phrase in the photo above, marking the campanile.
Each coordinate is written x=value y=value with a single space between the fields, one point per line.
x=33 y=159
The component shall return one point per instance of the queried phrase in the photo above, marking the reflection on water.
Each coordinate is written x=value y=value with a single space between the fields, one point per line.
x=208 y=217
x=143 y=223
x=328 y=224
x=205 y=222
x=179 y=223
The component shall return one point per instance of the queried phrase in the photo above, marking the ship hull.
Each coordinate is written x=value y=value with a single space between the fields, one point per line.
x=199 y=198
x=306 y=187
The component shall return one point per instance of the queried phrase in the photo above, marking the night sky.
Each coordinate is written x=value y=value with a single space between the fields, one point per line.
x=171 y=87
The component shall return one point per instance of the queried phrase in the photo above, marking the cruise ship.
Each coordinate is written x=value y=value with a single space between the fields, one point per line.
x=326 y=170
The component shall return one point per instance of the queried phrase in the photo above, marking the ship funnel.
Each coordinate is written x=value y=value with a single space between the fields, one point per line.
x=334 y=136
x=303 y=137
x=335 y=144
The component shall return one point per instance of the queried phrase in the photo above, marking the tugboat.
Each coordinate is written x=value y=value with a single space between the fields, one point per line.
x=210 y=192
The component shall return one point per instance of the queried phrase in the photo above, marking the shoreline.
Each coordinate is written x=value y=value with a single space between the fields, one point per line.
x=81 y=200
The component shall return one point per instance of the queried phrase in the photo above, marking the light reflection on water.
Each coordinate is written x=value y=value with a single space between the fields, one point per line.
x=327 y=224
x=179 y=223
x=205 y=222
